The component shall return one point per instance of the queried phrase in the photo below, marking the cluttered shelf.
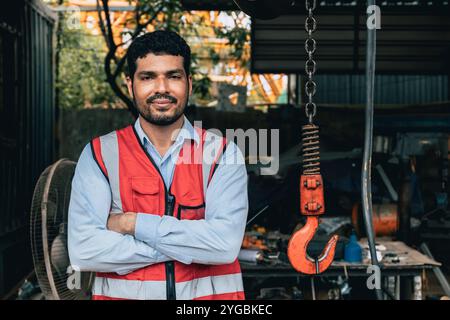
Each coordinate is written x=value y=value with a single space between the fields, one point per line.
x=394 y=256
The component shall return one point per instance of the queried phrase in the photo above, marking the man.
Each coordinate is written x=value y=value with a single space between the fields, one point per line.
x=149 y=225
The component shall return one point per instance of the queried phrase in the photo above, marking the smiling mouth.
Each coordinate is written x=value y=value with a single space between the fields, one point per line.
x=161 y=103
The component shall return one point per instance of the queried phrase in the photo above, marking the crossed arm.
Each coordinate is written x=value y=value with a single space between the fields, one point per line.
x=125 y=242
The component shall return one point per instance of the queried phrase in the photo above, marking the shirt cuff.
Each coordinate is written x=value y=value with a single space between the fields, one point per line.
x=146 y=228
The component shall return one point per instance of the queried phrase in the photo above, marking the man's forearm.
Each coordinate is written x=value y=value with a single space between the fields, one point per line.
x=218 y=252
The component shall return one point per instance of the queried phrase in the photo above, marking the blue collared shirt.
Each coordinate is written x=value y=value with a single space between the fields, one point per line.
x=214 y=240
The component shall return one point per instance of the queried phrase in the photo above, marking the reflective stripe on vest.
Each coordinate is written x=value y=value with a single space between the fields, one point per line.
x=156 y=290
x=109 y=151
x=136 y=185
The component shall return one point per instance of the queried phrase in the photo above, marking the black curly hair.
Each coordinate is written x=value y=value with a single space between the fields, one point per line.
x=158 y=42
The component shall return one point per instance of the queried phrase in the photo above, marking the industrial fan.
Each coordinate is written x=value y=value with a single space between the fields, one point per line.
x=49 y=211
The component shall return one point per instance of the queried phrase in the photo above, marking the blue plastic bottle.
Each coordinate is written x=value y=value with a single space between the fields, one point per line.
x=353 y=251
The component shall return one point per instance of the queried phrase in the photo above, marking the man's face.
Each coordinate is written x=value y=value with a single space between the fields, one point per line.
x=160 y=88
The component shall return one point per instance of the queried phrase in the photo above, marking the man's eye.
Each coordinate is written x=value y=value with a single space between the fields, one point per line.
x=175 y=76
x=147 y=77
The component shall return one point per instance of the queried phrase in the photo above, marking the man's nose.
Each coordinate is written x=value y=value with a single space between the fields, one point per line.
x=161 y=85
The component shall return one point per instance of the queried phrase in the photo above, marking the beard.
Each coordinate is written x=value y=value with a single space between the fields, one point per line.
x=163 y=118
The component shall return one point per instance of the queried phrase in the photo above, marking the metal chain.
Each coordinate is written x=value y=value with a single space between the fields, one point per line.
x=310 y=65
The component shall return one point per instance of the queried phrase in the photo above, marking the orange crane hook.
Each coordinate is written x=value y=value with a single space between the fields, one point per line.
x=311 y=185
x=298 y=244
x=312 y=205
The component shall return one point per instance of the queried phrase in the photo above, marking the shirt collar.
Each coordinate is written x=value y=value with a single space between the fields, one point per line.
x=187 y=132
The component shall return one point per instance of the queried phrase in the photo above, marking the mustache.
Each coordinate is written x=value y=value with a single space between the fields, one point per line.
x=161 y=96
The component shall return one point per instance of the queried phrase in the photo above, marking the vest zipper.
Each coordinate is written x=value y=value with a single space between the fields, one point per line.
x=170 y=268
x=168 y=210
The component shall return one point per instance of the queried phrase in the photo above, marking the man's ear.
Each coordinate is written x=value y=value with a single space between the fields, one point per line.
x=190 y=84
x=130 y=86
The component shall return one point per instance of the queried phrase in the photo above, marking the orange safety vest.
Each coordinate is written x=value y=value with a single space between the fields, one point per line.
x=137 y=186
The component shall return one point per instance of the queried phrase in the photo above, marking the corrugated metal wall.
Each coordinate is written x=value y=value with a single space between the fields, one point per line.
x=414 y=39
x=27 y=116
x=389 y=89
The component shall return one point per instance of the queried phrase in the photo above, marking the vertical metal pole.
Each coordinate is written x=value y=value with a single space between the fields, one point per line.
x=367 y=158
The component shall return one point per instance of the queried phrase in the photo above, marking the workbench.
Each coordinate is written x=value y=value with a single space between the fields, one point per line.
x=399 y=262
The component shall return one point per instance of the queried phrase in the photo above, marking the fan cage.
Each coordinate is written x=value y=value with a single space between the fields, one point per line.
x=49 y=211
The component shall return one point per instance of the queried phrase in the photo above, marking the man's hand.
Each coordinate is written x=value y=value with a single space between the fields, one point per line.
x=123 y=223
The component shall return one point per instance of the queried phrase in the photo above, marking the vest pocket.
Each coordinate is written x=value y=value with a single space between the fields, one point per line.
x=191 y=212
x=145 y=194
